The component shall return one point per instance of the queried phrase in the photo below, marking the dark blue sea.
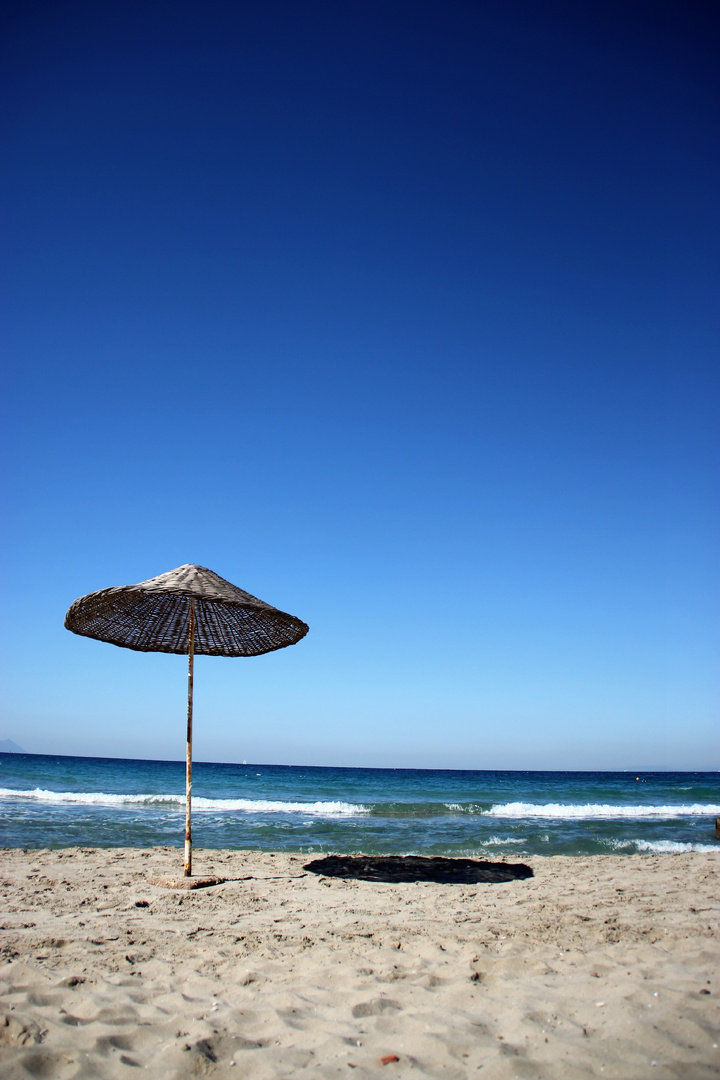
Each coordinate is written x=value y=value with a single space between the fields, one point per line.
x=48 y=801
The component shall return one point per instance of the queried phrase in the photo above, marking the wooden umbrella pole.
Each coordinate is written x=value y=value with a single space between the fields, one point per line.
x=188 y=753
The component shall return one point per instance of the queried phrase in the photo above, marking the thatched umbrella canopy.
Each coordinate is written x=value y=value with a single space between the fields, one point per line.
x=187 y=610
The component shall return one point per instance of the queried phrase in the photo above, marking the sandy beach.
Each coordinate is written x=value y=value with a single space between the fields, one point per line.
x=603 y=966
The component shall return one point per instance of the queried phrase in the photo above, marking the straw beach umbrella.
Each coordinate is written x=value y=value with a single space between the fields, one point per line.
x=188 y=610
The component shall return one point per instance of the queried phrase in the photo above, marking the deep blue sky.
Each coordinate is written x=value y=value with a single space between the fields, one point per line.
x=403 y=317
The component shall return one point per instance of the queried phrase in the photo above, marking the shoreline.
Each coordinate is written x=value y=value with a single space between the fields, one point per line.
x=568 y=973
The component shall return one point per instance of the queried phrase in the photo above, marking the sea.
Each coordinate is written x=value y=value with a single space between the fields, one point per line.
x=57 y=801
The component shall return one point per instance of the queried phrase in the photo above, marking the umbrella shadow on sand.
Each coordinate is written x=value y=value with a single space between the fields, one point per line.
x=397 y=868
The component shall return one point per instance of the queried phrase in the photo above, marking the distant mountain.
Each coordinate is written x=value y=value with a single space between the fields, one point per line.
x=7 y=746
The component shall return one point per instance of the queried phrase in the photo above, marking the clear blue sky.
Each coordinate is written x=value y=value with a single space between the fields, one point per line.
x=400 y=315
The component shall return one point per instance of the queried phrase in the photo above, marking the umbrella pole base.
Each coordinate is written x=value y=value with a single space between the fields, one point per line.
x=186 y=882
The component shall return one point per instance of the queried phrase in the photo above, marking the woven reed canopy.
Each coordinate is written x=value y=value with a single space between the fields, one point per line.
x=154 y=616
x=188 y=610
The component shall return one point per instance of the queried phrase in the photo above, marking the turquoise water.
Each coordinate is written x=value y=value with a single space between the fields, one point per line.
x=108 y=802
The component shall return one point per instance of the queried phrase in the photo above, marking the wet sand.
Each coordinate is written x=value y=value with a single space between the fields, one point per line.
x=602 y=967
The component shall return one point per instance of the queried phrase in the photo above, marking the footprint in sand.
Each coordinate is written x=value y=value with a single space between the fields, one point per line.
x=15 y=1031
x=376 y=1007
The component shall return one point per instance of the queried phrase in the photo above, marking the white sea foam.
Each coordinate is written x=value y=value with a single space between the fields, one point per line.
x=465 y=808
x=598 y=810
x=258 y=806
x=662 y=847
x=494 y=840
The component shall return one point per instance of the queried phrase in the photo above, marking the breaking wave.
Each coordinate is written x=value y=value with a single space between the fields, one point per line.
x=338 y=808
x=662 y=847
x=171 y=801
x=599 y=810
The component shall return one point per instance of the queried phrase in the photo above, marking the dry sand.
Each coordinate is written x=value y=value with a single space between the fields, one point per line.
x=603 y=967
